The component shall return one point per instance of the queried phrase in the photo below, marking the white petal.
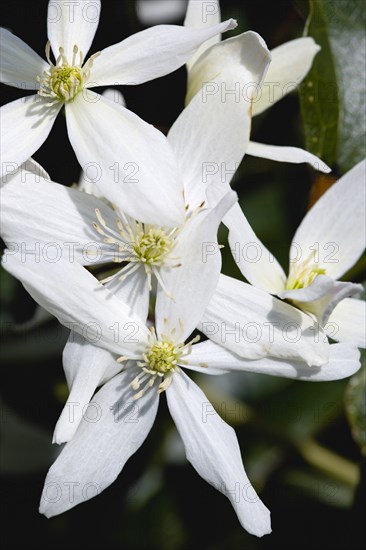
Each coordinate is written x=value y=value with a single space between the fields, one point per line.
x=40 y=215
x=31 y=165
x=78 y=301
x=153 y=12
x=86 y=185
x=114 y=95
x=192 y=284
x=112 y=429
x=253 y=324
x=213 y=450
x=25 y=125
x=201 y=13
x=294 y=155
x=19 y=64
x=211 y=135
x=132 y=162
x=134 y=292
x=344 y=360
x=245 y=56
x=322 y=296
x=85 y=367
x=209 y=140
x=70 y=24
x=197 y=359
x=333 y=231
x=151 y=53
x=290 y=64
x=254 y=260
x=347 y=322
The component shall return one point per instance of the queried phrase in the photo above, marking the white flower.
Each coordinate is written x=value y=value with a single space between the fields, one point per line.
x=328 y=242
x=53 y=218
x=218 y=62
x=86 y=229
x=54 y=221
x=153 y=361
x=103 y=133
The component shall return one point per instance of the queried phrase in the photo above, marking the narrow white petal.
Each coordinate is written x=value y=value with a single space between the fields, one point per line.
x=151 y=53
x=344 y=360
x=254 y=260
x=322 y=296
x=40 y=215
x=112 y=429
x=211 y=135
x=80 y=302
x=85 y=367
x=209 y=140
x=25 y=125
x=213 y=450
x=347 y=322
x=333 y=231
x=202 y=367
x=245 y=56
x=254 y=324
x=85 y=183
x=134 y=292
x=290 y=64
x=192 y=284
x=72 y=23
x=19 y=64
x=131 y=162
x=294 y=155
x=201 y=13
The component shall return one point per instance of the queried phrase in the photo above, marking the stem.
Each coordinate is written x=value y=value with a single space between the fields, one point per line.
x=329 y=462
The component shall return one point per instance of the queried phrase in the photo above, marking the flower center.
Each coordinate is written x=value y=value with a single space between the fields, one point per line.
x=63 y=81
x=162 y=357
x=66 y=81
x=137 y=244
x=152 y=245
x=160 y=361
x=303 y=274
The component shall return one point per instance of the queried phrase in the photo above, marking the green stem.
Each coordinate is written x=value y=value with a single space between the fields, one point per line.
x=329 y=462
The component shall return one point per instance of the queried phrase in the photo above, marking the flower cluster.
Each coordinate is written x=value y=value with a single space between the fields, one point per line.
x=154 y=230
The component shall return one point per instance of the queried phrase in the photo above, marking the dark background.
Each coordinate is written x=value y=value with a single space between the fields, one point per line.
x=159 y=502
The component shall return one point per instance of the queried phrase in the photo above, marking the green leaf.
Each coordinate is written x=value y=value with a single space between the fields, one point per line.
x=332 y=96
x=319 y=92
x=356 y=406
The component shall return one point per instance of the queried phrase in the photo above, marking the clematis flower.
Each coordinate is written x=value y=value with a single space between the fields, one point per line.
x=153 y=363
x=51 y=221
x=214 y=61
x=102 y=133
x=58 y=218
x=86 y=229
x=328 y=242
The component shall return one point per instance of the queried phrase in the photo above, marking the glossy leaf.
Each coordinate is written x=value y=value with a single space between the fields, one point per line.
x=332 y=96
